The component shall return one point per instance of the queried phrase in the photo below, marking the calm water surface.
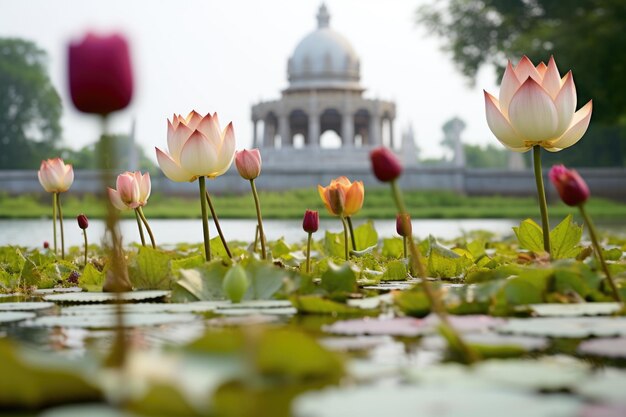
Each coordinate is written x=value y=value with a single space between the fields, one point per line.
x=33 y=233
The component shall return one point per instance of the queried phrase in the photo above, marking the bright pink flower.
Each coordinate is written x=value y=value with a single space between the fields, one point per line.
x=248 y=163
x=100 y=74
x=385 y=163
x=536 y=107
x=197 y=148
x=571 y=187
x=55 y=176
x=133 y=190
x=311 y=221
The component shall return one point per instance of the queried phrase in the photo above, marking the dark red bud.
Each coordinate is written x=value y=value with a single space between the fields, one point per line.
x=83 y=222
x=385 y=163
x=570 y=185
x=46 y=245
x=311 y=221
x=403 y=225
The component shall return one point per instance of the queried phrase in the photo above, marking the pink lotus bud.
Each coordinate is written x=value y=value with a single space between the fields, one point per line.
x=100 y=74
x=571 y=187
x=248 y=163
x=133 y=190
x=403 y=225
x=46 y=244
x=55 y=176
x=385 y=164
x=83 y=222
x=311 y=221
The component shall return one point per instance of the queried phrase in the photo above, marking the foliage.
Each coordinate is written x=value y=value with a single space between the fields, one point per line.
x=30 y=107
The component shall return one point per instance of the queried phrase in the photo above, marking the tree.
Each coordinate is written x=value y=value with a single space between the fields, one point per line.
x=586 y=36
x=30 y=107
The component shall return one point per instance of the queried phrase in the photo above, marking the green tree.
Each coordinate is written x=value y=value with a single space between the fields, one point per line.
x=489 y=156
x=30 y=107
x=586 y=36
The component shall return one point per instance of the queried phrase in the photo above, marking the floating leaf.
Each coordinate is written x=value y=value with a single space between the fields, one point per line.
x=312 y=304
x=201 y=284
x=25 y=306
x=566 y=327
x=151 y=270
x=395 y=271
x=575 y=310
x=14 y=316
x=610 y=348
x=565 y=238
x=105 y=297
x=393 y=247
x=403 y=326
x=339 y=279
x=366 y=236
x=109 y=321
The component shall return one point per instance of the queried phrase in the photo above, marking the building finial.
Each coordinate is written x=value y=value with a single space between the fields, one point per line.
x=323 y=17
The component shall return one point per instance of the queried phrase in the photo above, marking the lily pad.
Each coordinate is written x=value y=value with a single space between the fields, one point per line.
x=403 y=326
x=14 y=316
x=25 y=306
x=610 y=348
x=95 y=410
x=469 y=323
x=351 y=344
x=575 y=310
x=391 y=286
x=606 y=386
x=402 y=401
x=62 y=290
x=566 y=327
x=371 y=303
x=105 y=297
x=143 y=308
x=596 y=410
x=527 y=343
x=108 y=321
x=232 y=311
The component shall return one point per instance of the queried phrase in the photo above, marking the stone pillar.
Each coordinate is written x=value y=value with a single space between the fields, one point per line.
x=314 y=130
x=347 y=129
x=391 y=141
x=283 y=131
x=255 y=139
x=269 y=133
x=375 y=137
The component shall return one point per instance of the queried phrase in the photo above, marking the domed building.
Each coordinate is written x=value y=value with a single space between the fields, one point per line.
x=324 y=94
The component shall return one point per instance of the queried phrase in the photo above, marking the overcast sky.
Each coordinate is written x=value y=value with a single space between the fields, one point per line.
x=226 y=55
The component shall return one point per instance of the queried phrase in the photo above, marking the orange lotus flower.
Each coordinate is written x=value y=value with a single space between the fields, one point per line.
x=342 y=197
x=536 y=107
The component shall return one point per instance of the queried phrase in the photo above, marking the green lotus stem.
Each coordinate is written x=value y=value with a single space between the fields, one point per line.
x=54 y=221
x=61 y=226
x=256 y=238
x=308 y=253
x=349 y=219
x=433 y=297
x=598 y=248
x=217 y=225
x=259 y=219
x=143 y=239
x=205 y=219
x=345 y=236
x=86 y=246
x=541 y=195
x=145 y=222
x=404 y=247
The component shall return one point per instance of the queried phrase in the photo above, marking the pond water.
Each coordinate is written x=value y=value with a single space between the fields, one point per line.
x=33 y=233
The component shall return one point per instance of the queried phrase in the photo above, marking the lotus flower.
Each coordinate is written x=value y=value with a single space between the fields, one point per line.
x=197 y=147
x=55 y=176
x=342 y=197
x=536 y=107
x=133 y=190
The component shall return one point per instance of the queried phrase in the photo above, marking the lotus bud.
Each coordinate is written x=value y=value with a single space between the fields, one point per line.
x=570 y=185
x=403 y=225
x=311 y=221
x=83 y=222
x=235 y=283
x=248 y=163
x=385 y=164
x=336 y=200
x=55 y=176
x=100 y=74
x=46 y=244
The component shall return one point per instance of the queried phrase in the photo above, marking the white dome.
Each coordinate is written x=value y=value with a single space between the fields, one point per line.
x=324 y=59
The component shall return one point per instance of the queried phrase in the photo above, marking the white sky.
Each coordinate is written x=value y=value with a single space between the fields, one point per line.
x=226 y=55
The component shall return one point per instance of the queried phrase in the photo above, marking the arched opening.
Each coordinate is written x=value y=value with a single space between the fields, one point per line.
x=299 y=127
x=361 y=127
x=358 y=141
x=298 y=141
x=386 y=136
x=330 y=119
x=270 y=130
x=330 y=140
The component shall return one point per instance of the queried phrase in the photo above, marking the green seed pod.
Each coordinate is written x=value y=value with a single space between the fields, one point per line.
x=235 y=283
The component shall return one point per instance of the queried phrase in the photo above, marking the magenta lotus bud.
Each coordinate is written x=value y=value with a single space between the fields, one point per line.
x=83 y=222
x=403 y=225
x=100 y=74
x=571 y=187
x=311 y=221
x=248 y=163
x=385 y=164
x=46 y=245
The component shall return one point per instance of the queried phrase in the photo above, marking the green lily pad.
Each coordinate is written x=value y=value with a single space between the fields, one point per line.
x=575 y=310
x=105 y=297
x=46 y=291
x=25 y=306
x=283 y=311
x=143 y=308
x=566 y=327
x=403 y=326
x=352 y=344
x=108 y=321
x=526 y=343
x=14 y=316
x=96 y=410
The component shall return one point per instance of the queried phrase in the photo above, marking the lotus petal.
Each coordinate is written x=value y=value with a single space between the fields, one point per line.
x=116 y=199
x=171 y=169
x=565 y=103
x=192 y=120
x=532 y=113
x=227 y=151
x=510 y=84
x=525 y=69
x=552 y=79
x=354 y=198
x=199 y=156
x=500 y=126
x=578 y=127
x=176 y=138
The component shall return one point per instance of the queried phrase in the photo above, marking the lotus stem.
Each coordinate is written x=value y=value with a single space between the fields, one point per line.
x=352 y=237
x=541 y=195
x=143 y=239
x=217 y=225
x=259 y=219
x=205 y=219
x=345 y=237
x=145 y=222
x=404 y=247
x=54 y=221
x=61 y=226
x=86 y=245
x=308 y=253
x=256 y=238
x=598 y=248
x=433 y=297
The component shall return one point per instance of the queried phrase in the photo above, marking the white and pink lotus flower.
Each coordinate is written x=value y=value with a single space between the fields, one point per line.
x=132 y=190
x=536 y=106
